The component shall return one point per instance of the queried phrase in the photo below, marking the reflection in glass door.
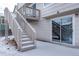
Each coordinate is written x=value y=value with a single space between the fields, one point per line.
x=56 y=30
x=62 y=30
x=66 y=30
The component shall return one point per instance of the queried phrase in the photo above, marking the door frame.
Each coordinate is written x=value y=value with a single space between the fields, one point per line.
x=60 y=30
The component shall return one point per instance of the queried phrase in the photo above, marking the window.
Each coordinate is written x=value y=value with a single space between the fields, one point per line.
x=34 y=6
x=46 y=4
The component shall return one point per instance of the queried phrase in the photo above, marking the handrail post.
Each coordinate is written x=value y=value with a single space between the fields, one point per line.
x=19 y=39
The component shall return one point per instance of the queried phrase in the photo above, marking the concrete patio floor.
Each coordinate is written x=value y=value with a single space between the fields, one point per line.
x=43 y=49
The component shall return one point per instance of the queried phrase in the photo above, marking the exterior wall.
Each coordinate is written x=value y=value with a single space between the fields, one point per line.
x=43 y=28
x=56 y=7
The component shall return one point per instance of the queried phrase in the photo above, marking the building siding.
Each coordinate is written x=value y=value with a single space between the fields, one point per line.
x=56 y=7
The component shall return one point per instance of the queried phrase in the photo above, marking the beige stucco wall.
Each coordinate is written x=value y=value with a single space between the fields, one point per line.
x=43 y=28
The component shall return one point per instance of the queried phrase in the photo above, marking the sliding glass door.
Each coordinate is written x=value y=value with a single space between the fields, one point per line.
x=62 y=30
x=66 y=30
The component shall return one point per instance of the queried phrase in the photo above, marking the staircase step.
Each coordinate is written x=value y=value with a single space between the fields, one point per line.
x=24 y=33
x=26 y=39
x=29 y=47
x=27 y=43
x=25 y=36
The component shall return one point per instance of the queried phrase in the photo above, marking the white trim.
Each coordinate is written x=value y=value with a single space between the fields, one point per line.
x=64 y=16
x=73 y=30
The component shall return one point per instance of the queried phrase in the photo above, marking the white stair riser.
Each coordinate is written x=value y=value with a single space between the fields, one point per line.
x=28 y=48
x=25 y=36
x=25 y=40
x=25 y=44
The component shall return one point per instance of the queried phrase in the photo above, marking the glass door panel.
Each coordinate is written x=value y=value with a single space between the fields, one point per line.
x=66 y=30
x=56 y=30
x=62 y=30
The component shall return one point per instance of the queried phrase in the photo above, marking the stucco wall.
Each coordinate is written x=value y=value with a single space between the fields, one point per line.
x=43 y=28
